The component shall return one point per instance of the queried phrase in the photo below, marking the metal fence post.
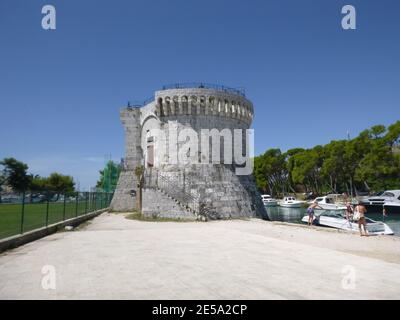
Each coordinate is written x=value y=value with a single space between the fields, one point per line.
x=76 y=203
x=95 y=201
x=65 y=199
x=47 y=211
x=86 y=202
x=23 y=212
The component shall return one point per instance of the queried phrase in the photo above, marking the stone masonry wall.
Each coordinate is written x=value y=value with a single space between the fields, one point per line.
x=213 y=189
x=124 y=198
x=157 y=204
x=220 y=193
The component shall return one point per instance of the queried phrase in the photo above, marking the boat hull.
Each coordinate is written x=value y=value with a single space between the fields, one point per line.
x=373 y=227
x=291 y=205
x=378 y=208
x=331 y=207
x=271 y=204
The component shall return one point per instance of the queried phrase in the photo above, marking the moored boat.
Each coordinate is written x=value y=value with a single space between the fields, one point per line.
x=290 y=202
x=330 y=202
x=338 y=221
x=389 y=199
x=392 y=208
x=269 y=201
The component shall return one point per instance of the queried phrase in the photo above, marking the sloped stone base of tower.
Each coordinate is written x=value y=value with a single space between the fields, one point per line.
x=157 y=204
x=223 y=194
x=212 y=191
x=123 y=199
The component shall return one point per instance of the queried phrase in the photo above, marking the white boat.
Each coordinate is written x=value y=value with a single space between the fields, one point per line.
x=330 y=202
x=338 y=221
x=269 y=201
x=389 y=199
x=392 y=207
x=290 y=202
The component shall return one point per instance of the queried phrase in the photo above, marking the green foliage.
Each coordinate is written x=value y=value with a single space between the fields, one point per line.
x=2 y=181
x=371 y=162
x=109 y=176
x=271 y=171
x=37 y=183
x=15 y=174
x=59 y=183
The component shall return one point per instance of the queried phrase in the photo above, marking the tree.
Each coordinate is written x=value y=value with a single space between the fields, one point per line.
x=392 y=137
x=109 y=177
x=36 y=184
x=332 y=171
x=306 y=169
x=259 y=174
x=2 y=182
x=15 y=174
x=370 y=161
x=290 y=164
x=377 y=130
x=379 y=166
x=271 y=173
x=58 y=183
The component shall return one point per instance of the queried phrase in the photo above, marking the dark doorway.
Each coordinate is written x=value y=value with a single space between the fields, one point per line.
x=150 y=156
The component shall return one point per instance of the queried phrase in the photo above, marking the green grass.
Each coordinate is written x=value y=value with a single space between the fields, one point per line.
x=35 y=215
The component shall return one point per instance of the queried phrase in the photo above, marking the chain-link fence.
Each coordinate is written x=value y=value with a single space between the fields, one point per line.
x=23 y=212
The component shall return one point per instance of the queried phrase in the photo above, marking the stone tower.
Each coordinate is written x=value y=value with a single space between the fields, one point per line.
x=125 y=195
x=193 y=141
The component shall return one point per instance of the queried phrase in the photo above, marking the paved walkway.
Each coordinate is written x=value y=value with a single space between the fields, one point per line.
x=116 y=258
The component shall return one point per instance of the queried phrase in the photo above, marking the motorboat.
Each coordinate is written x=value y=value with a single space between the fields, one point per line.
x=330 y=202
x=269 y=201
x=392 y=207
x=389 y=199
x=290 y=202
x=338 y=221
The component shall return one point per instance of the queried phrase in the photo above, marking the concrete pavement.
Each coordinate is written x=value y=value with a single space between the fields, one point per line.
x=117 y=258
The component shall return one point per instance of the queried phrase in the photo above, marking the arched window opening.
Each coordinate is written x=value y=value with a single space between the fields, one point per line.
x=168 y=104
x=202 y=105
x=176 y=102
x=211 y=101
x=184 y=100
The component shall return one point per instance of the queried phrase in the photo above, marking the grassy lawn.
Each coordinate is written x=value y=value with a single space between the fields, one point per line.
x=35 y=215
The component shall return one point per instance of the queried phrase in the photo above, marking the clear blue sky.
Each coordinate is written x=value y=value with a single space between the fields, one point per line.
x=310 y=80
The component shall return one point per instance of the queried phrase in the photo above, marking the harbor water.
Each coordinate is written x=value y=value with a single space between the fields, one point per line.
x=294 y=215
